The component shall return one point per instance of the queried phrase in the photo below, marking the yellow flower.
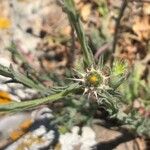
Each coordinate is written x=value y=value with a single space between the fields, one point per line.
x=93 y=79
x=5 y=23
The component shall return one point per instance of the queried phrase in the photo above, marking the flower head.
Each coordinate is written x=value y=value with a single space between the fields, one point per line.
x=93 y=80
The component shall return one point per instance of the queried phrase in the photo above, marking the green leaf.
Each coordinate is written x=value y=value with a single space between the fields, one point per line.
x=20 y=78
x=5 y=71
x=76 y=24
x=25 y=105
x=17 y=54
x=116 y=81
x=101 y=61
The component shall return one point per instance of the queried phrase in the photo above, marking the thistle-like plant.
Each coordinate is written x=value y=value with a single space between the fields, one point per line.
x=92 y=78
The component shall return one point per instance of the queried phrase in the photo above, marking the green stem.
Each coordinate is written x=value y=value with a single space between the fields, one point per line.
x=20 y=78
x=75 y=21
x=15 y=106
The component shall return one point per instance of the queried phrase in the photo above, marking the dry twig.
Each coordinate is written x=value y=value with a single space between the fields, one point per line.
x=122 y=9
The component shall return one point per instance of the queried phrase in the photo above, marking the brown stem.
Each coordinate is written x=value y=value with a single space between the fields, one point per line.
x=122 y=9
x=142 y=1
x=101 y=50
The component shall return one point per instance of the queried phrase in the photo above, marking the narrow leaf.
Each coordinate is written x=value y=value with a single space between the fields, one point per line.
x=76 y=24
x=20 y=106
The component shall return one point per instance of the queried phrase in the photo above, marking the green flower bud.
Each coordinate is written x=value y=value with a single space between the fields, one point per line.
x=119 y=67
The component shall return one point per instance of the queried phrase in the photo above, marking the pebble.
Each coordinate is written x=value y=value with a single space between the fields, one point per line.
x=71 y=140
